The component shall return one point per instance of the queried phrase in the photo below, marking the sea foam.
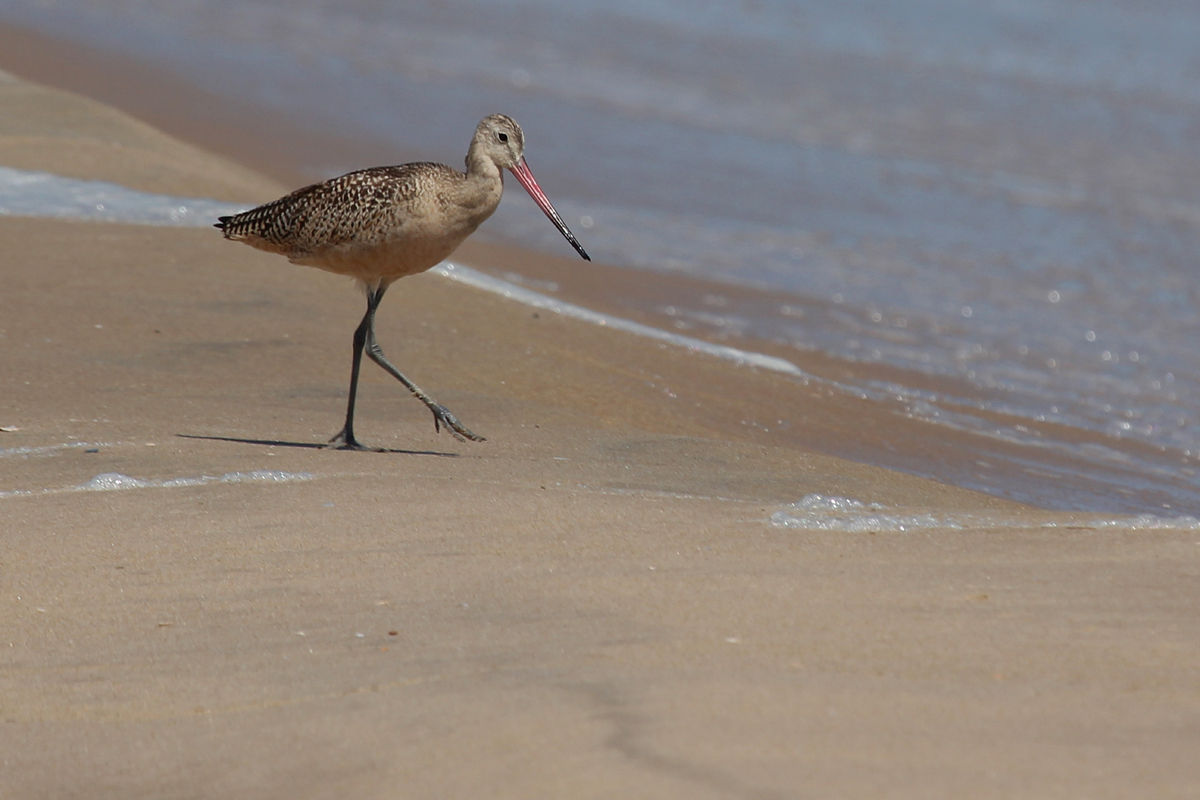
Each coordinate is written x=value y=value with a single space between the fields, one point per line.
x=817 y=512
x=42 y=194
x=115 y=481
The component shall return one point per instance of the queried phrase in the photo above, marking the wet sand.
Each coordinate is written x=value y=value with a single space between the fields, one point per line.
x=592 y=603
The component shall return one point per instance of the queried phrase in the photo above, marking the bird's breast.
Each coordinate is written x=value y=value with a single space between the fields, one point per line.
x=412 y=245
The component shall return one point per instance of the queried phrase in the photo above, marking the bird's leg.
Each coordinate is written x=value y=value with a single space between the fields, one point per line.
x=441 y=414
x=345 y=439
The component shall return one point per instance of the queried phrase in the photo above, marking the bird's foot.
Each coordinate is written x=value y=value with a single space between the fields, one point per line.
x=345 y=441
x=442 y=416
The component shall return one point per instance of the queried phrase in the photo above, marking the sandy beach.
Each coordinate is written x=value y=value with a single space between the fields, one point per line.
x=593 y=603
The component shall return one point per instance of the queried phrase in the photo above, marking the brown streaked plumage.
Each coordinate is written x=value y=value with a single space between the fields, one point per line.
x=381 y=224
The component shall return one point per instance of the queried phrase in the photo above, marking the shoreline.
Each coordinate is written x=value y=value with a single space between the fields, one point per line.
x=934 y=427
x=280 y=147
x=916 y=446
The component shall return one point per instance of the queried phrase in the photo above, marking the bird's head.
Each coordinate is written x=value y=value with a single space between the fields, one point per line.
x=501 y=139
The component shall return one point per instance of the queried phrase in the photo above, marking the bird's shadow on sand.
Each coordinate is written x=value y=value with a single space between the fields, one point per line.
x=314 y=445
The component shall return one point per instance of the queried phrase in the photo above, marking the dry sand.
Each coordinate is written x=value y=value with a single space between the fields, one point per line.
x=592 y=604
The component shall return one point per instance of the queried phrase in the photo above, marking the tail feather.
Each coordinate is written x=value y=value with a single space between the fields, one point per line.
x=274 y=222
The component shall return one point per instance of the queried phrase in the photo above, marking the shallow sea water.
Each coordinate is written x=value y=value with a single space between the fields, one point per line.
x=998 y=202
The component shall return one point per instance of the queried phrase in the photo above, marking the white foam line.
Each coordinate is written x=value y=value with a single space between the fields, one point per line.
x=41 y=194
x=530 y=298
x=115 y=481
x=817 y=512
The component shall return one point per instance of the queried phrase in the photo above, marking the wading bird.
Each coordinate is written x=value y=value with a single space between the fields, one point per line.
x=378 y=225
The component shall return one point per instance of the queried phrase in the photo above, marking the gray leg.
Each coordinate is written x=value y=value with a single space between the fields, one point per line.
x=441 y=414
x=345 y=438
x=365 y=336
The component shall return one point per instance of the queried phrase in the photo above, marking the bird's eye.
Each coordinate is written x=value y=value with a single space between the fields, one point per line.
x=502 y=137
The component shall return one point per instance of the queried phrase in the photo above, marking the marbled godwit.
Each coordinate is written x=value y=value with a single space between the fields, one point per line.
x=378 y=225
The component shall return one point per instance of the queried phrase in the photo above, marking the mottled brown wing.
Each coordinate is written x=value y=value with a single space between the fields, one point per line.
x=356 y=207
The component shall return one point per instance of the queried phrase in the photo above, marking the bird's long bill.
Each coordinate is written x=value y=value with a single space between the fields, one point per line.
x=521 y=170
